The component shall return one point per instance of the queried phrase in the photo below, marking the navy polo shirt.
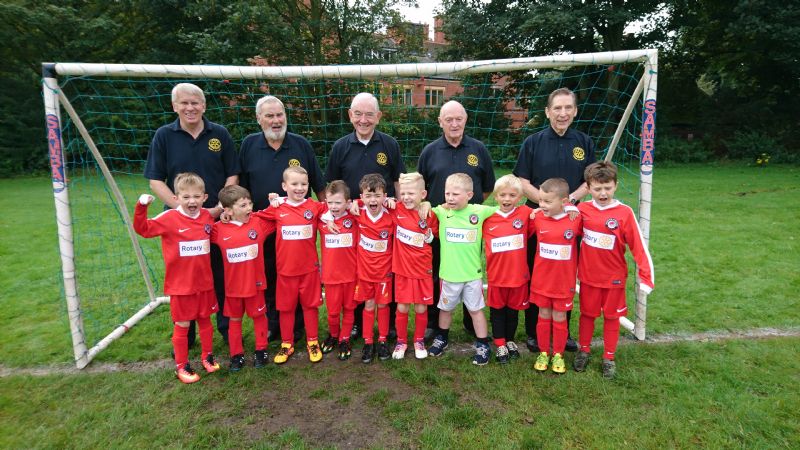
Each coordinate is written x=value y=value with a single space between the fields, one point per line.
x=350 y=160
x=212 y=156
x=439 y=160
x=262 y=166
x=546 y=155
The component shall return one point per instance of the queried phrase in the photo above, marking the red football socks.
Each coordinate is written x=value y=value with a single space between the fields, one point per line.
x=401 y=324
x=585 y=332
x=206 y=332
x=180 y=344
x=235 y=337
x=610 y=338
x=559 y=336
x=260 y=329
x=383 y=323
x=543 y=334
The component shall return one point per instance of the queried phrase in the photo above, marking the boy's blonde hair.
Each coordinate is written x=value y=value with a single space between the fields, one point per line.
x=188 y=180
x=461 y=180
x=558 y=186
x=412 y=178
x=338 y=187
x=508 y=182
x=294 y=169
x=600 y=172
x=232 y=194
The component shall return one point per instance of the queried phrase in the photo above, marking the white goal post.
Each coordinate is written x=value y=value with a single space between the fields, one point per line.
x=640 y=104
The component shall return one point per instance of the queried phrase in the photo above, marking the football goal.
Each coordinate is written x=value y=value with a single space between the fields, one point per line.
x=101 y=118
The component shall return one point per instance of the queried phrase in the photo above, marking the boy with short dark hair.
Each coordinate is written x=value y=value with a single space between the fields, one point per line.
x=339 y=268
x=460 y=234
x=240 y=240
x=505 y=236
x=296 y=221
x=554 y=268
x=374 y=286
x=608 y=227
x=185 y=246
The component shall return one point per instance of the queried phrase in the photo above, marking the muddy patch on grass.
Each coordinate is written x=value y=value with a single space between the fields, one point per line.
x=334 y=404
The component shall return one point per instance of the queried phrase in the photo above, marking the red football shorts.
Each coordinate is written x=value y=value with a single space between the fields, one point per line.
x=303 y=288
x=513 y=297
x=557 y=304
x=610 y=301
x=254 y=306
x=381 y=292
x=340 y=295
x=183 y=308
x=413 y=290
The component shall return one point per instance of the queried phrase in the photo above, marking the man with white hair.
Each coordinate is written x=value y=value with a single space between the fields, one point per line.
x=454 y=152
x=193 y=143
x=364 y=151
x=264 y=156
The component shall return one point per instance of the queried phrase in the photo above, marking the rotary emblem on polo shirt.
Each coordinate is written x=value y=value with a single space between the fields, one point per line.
x=214 y=145
x=382 y=159
x=517 y=224
x=578 y=154
x=612 y=224
x=472 y=160
x=294 y=163
x=252 y=234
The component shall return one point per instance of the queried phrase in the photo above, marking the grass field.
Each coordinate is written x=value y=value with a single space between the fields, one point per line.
x=726 y=258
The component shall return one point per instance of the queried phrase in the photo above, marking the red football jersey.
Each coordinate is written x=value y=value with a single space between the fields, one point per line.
x=556 y=261
x=505 y=239
x=412 y=257
x=296 y=243
x=375 y=246
x=606 y=232
x=185 y=245
x=241 y=245
x=339 y=251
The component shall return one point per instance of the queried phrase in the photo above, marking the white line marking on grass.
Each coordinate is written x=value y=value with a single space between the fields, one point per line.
x=625 y=339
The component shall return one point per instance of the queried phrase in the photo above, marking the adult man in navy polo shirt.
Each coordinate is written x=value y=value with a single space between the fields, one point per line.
x=264 y=156
x=454 y=152
x=362 y=152
x=556 y=152
x=194 y=144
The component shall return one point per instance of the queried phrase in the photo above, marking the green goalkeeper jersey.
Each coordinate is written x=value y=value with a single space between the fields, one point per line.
x=460 y=236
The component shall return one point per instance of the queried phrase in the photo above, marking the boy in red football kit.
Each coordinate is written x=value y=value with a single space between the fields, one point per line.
x=554 y=268
x=185 y=246
x=412 y=263
x=339 y=268
x=296 y=221
x=374 y=286
x=608 y=226
x=505 y=235
x=240 y=240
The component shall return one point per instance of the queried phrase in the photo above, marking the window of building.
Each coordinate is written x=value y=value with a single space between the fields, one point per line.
x=434 y=96
x=401 y=95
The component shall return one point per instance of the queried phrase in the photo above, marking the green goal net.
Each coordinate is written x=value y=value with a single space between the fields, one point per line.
x=99 y=148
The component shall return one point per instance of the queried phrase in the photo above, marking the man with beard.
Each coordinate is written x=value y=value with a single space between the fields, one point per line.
x=264 y=156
